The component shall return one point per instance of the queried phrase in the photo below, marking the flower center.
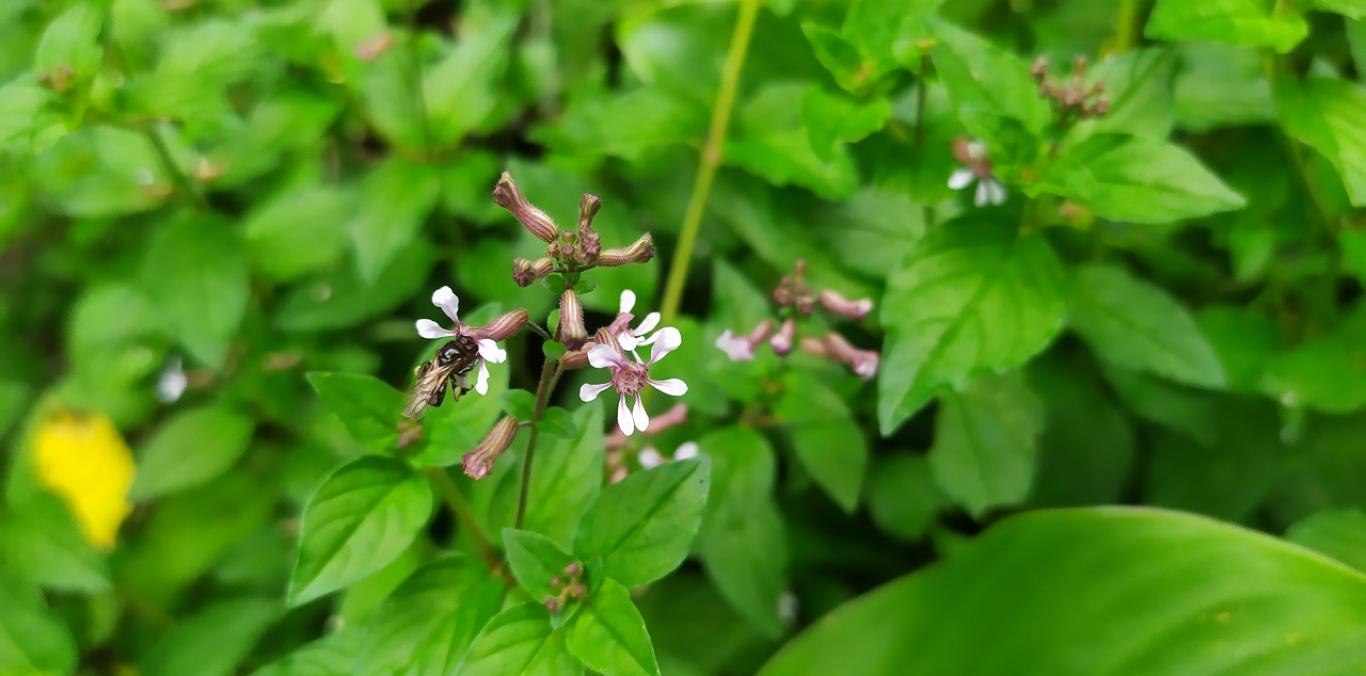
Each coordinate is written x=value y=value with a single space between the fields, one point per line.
x=629 y=379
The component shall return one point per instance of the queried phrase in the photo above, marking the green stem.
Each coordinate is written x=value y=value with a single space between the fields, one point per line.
x=927 y=211
x=183 y=186
x=1125 y=24
x=451 y=494
x=550 y=374
x=1274 y=66
x=711 y=156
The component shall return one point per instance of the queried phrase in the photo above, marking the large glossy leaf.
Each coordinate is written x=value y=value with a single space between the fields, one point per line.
x=972 y=296
x=642 y=527
x=1121 y=591
x=361 y=518
x=519 y=640
x=609 y=636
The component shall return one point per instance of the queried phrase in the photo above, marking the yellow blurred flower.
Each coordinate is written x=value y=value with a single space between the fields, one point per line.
x=85 y=461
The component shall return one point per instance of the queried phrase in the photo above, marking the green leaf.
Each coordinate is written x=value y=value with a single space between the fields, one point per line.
x=213 y=641
x=428 y=623
x=567 y=479
x=461 y=89
x=32 y=640
x=1054 y=582
x=193 y=447
x=822 y=430
x=335 y=653
x=519 y=640
x=1325 y=114
x=1327 y=373
x=1354 y=9
x=986 y=443
x=1340 y=534
x=394 y=199
x=1138 y=86
x=520 y=404
x=992 y=91
x=295 y=232
x=1087 y=449
x=971 y=297
x=558 y=422
x=832 y=120
x=1136 y=325
x=195 y=272
x=771 y=140
x=1246 y=23
x=742 y=542
x=366 y=405
x=1129 y=178
x=642 y=527
x=902 y=496
x=609 y=635
x=1219 y=86
x=535 y=559
x=342 y=298
x=839 y=56
x=71 y=42
x=361 y=518
x=43 y=544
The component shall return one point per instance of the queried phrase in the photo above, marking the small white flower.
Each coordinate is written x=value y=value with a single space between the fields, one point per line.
x=489 y=351
x=737 y=348
x=978 y=167
x=686 y=451
x=629 y=338
x=172 y=382
x=649 y=457
x=630 y=376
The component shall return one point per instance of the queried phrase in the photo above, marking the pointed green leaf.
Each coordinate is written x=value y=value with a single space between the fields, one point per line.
x=519 y=640
x=608 y=635
x=1246 y=23
x=986 y=442
x=1326 y=115
x=190 y=449
x=535 y=560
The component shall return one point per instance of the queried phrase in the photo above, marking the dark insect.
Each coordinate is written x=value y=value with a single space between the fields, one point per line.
x=452 y=364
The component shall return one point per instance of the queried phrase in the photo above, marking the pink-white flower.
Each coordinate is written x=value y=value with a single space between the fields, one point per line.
x=629 y=338
x=630 y=376
x=489 y=351
x=976 y=166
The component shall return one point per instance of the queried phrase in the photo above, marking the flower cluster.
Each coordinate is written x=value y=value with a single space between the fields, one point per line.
x=629 y=374
x=567 y=251
x=568 y=586
x=796 y=299
x=1071 y=97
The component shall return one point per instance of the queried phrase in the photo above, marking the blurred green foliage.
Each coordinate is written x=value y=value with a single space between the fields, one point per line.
x=219 y=219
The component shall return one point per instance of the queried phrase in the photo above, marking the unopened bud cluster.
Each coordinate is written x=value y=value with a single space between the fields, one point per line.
x=569 y=587
x=567 y=251
x=796 y=299
x=1071 y=96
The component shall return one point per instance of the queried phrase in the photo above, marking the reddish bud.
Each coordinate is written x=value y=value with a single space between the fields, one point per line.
x=505 y=326
x=374 y=47
x=524 y=271
x=571 y=331
x=863 y=363
x=507 y=195
x=479 y=462
x=640 y=251
x=838 y=304
x=781 y=342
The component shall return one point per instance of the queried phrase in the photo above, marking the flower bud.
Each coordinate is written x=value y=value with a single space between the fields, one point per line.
x=639 y=252
x=505 y=326
x=571 y=331
x=575 y=359
x=862 y=362
x=838 y=304
x=507 y=195
x=604 y=336
x=552 y=604
x=479 y=462
x=1039 y=69
x=573 y=569
x=588 y=208
x=671 y=418
x=374 y=47
x=781 y=342
x=524 y=271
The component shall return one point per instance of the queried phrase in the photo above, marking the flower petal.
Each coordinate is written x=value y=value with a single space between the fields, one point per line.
x=624 y=417
x=667 y=341
x=641 y=417
x=628 y=301
x=737 y=348
x=647 y=325
x=589 y=391
x=628 y=342
x=430 y=329
x=649 y=457
x=686 y=451
x=960 y=179
x=482 y=384
x=674 y=387
x=996 y=193
x=490 y=351
x=603 y=356
x=449 y=303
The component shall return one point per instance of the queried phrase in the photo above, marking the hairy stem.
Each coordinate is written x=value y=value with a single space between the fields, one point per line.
x=550 y=374
x=712 y=153
x=451 y=494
